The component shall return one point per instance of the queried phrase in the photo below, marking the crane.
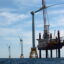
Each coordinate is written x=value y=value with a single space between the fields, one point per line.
x=46 y=27
x=45 y=43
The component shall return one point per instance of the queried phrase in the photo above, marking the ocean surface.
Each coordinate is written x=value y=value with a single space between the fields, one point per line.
x=31 y=61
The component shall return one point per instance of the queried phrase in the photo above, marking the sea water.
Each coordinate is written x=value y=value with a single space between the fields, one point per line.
x=32 y=61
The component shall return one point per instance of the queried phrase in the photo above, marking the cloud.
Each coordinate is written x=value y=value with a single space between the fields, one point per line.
x=55 y=12
x=9 y=32
x=56 y=17
x=26 y=4
x=10 y=16
x=57 y=22
x=7 y=10
x=7 y=18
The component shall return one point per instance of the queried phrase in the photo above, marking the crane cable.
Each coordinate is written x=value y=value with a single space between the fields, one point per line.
x=55 y=5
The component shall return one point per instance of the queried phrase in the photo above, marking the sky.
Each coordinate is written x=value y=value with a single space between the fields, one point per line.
x=16 y=23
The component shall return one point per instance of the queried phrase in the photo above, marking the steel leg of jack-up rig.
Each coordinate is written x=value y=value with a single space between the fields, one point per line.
x=51 y=53
x=46 y=53
x=39 y=53
x=58 y=53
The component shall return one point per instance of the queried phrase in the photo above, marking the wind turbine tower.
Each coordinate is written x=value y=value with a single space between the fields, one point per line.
x=21 y=42
x=9 y=51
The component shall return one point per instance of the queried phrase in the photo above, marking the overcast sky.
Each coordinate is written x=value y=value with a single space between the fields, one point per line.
x=15 y=22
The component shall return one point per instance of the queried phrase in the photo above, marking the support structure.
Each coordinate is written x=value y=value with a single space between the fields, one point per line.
x=56 y=53
x=46 y=27
x=33 y=53
x=51 y=53
x=21 y=42
x=40 y=50
x=46 y=53
x=40 y=54
x=51 y=49
x=59 y=44
x=33 y=30
x=9 y=52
